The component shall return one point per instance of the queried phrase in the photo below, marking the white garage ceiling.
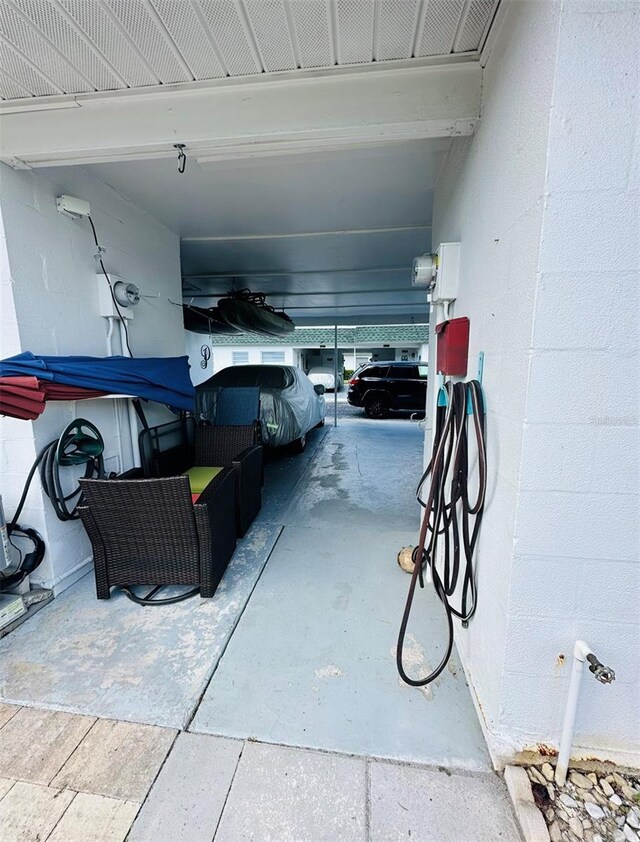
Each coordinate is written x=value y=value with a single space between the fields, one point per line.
x=327 y=235
x=54 y=47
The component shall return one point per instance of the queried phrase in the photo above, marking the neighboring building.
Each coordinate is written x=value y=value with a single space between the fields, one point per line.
x=308 y=347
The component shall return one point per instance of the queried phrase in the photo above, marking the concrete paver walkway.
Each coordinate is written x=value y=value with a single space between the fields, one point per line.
x=106 y=781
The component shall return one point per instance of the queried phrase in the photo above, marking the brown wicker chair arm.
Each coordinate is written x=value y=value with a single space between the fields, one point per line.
x=220 y=484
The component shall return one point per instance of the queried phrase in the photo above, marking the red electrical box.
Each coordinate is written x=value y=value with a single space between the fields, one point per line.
x=453 y=346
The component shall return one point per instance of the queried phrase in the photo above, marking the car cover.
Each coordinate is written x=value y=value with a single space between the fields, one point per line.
x=162 y=379
x=289 y=406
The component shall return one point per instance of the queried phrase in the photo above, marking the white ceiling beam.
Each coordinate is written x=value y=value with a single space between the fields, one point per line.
x=270 y=116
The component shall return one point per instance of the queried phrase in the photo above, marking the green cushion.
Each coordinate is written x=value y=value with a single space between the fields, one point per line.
x=199 y=478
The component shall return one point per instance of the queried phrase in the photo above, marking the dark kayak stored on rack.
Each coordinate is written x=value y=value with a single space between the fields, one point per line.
x=250 y=313
x=206 y=320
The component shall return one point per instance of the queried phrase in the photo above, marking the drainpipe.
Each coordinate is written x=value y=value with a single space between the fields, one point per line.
x=581 y=653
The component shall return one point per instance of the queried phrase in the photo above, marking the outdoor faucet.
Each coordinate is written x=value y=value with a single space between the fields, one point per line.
x=605 y=675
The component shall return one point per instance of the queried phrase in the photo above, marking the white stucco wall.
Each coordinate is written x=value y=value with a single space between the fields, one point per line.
x=50 y=276
x=542 y=201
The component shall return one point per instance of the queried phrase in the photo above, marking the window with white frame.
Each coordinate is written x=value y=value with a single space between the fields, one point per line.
x=271 y=357
x=239 y=358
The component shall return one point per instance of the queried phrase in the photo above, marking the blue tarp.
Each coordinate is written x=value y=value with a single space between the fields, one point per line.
x=162 y=379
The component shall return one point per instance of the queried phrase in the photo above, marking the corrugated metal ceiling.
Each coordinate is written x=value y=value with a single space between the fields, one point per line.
x=53 y=47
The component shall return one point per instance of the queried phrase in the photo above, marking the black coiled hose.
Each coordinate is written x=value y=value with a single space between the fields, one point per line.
x=449 y=514
x=79 y=443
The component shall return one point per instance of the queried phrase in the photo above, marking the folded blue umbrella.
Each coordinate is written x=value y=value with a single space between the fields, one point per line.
x=162 y=379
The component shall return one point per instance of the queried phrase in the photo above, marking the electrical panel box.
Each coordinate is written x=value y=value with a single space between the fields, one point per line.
x=106 y=307
x=452 y=352
x=447 y=271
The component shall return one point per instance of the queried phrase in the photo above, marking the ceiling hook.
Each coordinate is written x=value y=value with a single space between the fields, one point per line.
x=182 y=158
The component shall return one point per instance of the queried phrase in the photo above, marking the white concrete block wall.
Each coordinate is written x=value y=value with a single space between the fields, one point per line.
x=490 y=198
x=51 y=274
x=577 y=541
x=544 y=201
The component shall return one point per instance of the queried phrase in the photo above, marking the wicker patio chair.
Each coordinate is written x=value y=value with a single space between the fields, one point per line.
x=148 y=531
x=173 y=448
x=234 y=446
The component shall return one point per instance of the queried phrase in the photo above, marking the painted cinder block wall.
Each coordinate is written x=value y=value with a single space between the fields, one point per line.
x=50 y=306
x=576 y=567
x=541 y=200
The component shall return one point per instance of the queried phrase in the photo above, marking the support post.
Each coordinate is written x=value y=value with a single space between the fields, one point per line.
x=335 y=375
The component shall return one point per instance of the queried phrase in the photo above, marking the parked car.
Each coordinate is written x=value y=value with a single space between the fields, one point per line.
x=325 y=376
x=380 y=387
x=290 y=405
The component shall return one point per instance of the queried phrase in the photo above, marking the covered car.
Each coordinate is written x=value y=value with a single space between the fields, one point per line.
x=324 y=376
x=290 y=406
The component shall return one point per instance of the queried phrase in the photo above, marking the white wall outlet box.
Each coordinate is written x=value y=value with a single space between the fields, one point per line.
x=106 y=307
x=447 y=272
x=72 y=207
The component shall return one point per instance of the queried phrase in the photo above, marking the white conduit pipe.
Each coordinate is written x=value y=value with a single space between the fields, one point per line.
x=115 y=404
x=133 y=418
x=582 y=653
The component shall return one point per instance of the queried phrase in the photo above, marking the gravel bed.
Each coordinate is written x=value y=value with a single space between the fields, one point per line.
x=590 y=807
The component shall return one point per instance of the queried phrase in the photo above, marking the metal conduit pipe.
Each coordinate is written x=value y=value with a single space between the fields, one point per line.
x=582 y=653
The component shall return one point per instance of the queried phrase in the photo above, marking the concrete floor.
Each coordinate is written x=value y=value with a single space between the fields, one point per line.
x=293 y=655
x=312 y=661
x=115 y=659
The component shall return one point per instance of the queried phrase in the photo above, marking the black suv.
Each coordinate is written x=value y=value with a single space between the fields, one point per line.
x=382 y=386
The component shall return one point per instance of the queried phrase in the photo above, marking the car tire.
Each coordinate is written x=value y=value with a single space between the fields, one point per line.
x=376 y=407
x=299 y=445
x=320 y=423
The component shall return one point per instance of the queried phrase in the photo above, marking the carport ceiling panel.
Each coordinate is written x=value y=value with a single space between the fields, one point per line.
x=396 y=28
x=230 y=28
x=151 y=39
x=76 y=46
x=36 y=49
x=474 y=25
x=62 y=33
x=331 y=252
x=10 y=89
x=440 y=20
x=270 y=26
x=313 y=32
x=354 y=31
x=23 y=73
x=111 y=40
x=192 y=36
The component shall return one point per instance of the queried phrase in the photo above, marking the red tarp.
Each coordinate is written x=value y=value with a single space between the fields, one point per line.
x=25 y=397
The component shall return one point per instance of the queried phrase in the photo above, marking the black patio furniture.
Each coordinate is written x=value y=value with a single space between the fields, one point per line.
x=173 y=448
x=150 y=532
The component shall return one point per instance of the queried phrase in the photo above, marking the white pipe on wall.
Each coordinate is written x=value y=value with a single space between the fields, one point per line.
x=115 y=404
x=133 y=418
x=582 y=652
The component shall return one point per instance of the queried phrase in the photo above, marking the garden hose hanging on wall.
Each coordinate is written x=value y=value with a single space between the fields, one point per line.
x=80 y=443
x=449 y=517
